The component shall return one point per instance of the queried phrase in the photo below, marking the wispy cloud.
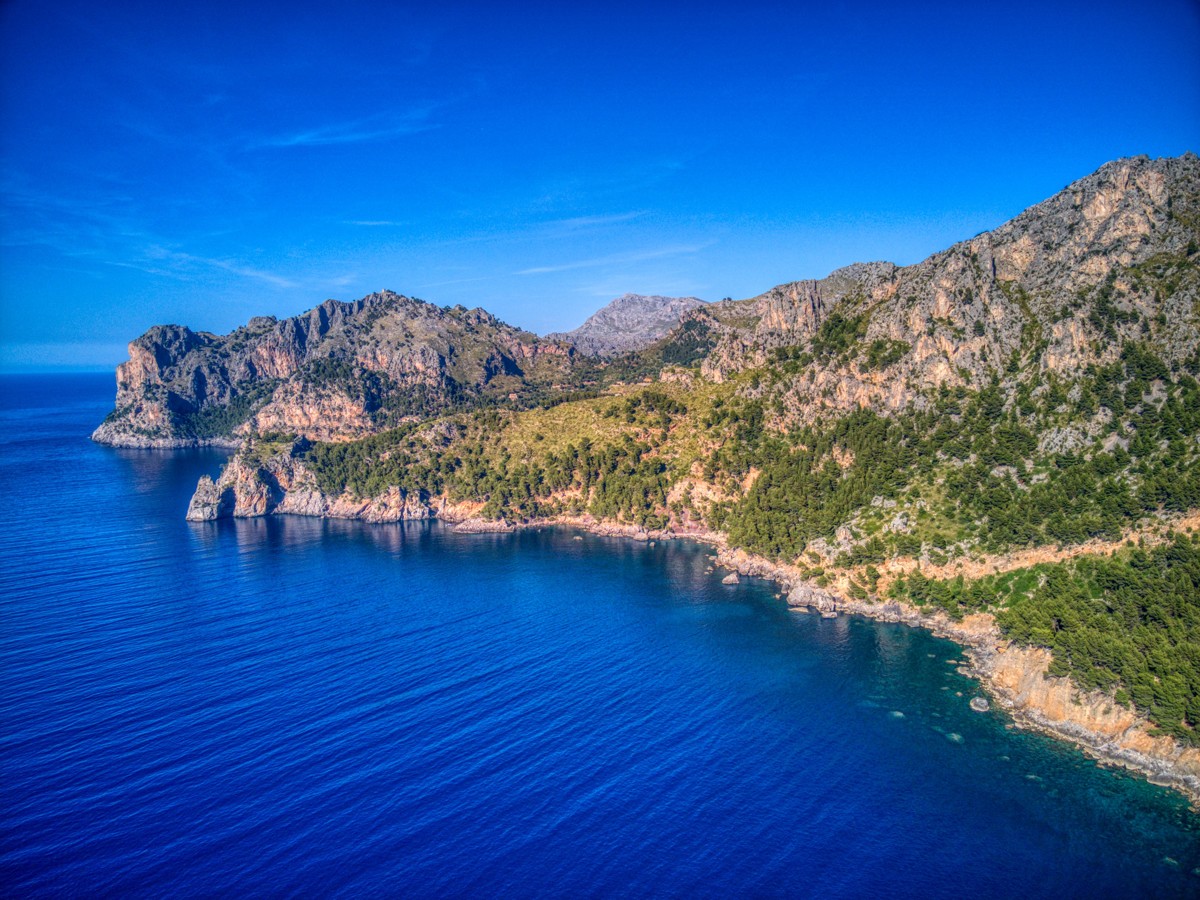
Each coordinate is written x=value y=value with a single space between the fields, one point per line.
x=373 y=223
x=156 y=253
x=617 y=259
x=381 y=127
x=595 y=221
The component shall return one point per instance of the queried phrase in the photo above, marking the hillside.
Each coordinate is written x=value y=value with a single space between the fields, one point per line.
x=971 y=441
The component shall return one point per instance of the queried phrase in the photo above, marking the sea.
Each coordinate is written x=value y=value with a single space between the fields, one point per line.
x=291 y=707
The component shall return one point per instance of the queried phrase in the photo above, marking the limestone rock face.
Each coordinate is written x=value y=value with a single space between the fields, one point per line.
x=210 y=502
x=630 y=322
x=340 y=370
x=805 y=594
x=1112 y=257
x=1020 y=676
x=281 y=484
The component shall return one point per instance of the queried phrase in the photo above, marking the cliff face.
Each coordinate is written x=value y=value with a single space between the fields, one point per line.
x=1019 y=675
x=1112 y=257
x=337 y=371
x=281 y=484
x=631 y=322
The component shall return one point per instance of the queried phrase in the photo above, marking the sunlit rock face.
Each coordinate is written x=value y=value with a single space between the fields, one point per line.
x=338 y=371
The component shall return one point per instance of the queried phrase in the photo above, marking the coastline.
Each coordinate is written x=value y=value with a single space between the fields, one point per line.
x=1015 y=677
x=107 y=438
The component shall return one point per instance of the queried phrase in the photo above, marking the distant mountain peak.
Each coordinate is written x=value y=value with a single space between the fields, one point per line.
x=630 y=322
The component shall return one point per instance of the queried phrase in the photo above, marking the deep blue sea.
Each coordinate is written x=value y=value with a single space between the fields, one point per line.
x=292 y=707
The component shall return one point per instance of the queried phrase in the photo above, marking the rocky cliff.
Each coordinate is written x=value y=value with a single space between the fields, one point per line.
x=339 y=370
x=1111 y=258
x=277 y=482
x=631 y=322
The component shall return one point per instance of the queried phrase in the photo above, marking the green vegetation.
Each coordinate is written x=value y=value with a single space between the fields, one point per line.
x=968 y=470
x=803 y=491
x=1129 y=624
x=220 y=421
x=883 y=353
x=838 y=334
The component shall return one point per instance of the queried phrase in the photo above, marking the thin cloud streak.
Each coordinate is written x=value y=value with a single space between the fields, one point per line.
x=596 y=221
x=226 y=265
x=617 y=259
x=384 y=126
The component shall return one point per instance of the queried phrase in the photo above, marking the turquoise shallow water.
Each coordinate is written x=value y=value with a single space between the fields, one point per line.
x=298 y=707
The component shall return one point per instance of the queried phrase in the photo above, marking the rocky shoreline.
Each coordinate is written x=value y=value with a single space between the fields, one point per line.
x=111 y=437
x=1015 y=677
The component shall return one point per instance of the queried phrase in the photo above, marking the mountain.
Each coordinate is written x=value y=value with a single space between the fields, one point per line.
x=630 y=322
x=339 y=370
x=1001 y=442
x=1109 y=259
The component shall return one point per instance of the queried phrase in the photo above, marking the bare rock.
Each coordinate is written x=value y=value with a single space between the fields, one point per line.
x=483 y=526
x=630 y=322
x=813 y=598
x=209 y=502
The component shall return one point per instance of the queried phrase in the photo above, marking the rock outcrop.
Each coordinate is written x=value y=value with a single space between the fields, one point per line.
x=1018 y=677
x=250 y=486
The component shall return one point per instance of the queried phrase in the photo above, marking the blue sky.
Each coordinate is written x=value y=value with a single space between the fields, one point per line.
x=210 y=162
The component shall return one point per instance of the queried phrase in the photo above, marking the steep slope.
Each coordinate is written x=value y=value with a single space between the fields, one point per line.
x=336 y=371
x=1111 y=258
x=629 y=323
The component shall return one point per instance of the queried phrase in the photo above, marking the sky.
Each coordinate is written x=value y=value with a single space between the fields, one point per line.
x=204 y=163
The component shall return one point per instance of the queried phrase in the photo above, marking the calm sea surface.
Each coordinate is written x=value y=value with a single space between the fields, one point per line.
x=298 y=707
